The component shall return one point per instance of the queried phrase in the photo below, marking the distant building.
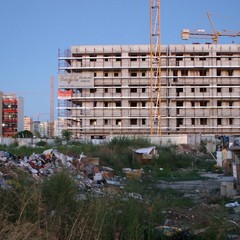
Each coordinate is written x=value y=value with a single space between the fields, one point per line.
x=28 y=124
x=1 y=113
x=58 y=127
x=12 y=114
x=44 y=129
x=36 y=127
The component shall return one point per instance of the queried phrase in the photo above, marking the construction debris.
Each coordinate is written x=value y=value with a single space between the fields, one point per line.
x=168 y=232
x=133 y=173
x=87 y=170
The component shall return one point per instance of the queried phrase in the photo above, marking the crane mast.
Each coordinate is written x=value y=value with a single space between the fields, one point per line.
x=155 y=69
x=51 y=123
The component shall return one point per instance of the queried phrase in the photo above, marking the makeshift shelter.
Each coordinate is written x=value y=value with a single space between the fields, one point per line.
x=144 y=155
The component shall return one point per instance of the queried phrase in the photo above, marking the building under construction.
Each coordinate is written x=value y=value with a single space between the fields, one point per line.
x=109 y=90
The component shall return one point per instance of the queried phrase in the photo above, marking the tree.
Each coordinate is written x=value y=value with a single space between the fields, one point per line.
x=37 y=134
x=24 y=134
x=66 y=135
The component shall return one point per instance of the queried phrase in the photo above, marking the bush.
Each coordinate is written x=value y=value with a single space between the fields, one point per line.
x=13 y=145
x=59 y=198
x=20 y=200
x=41 y=144
x=59 y=192
x=169 y=159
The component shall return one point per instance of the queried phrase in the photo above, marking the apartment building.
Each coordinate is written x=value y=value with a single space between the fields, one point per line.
x=12 y=114
x=28 y=124
x=44 y=129
x=58 y=126
x=109 y=90
x=1 y=113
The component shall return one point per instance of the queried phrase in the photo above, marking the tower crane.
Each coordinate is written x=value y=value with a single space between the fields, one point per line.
x=155 y=68
x=51 y=124
x=201 y=33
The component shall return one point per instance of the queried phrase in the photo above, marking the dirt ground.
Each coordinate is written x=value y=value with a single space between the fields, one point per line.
x=211 y=185
x=208 y=196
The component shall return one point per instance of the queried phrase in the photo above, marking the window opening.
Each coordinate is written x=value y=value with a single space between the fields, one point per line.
x=118 y=90
x=219 y=90
x=118 y=122
x=203 y=103
x=203 y=89
x=93 y=122
x=93 y=57
x=133 y=121
x=203 y=121
x=133 y=104
x=118 y=104
x=133 y=74
x=219 y=121
x=133 y=90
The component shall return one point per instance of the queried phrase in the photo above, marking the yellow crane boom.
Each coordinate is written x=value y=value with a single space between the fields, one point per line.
x=186 y=34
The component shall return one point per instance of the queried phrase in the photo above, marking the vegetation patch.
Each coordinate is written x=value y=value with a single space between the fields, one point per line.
x=57 y=207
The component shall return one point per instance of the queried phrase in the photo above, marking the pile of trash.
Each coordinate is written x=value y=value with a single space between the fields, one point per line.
x=186 y=149
x=86 y=170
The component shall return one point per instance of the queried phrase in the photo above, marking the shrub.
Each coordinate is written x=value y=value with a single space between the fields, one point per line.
x=59 y=192
x=20 y=200
x=13 y=145
x=41 y=144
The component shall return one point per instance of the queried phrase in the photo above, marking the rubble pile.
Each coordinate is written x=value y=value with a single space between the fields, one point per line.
x=186 y=149
x=87 y=171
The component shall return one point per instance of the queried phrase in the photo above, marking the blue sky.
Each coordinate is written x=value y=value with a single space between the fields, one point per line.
x=31 y=32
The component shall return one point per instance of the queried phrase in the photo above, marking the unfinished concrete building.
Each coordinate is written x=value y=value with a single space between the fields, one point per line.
x=107 y=90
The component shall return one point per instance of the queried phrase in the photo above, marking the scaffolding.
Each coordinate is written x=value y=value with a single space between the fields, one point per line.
x=109 y=90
